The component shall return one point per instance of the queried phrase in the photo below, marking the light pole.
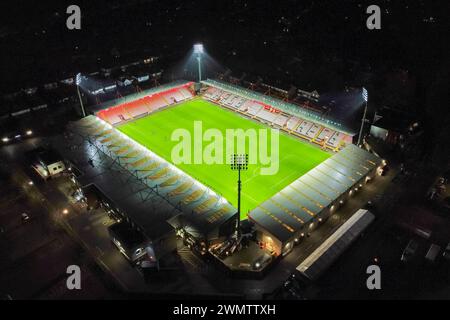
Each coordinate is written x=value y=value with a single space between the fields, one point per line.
x=365 y=96
x=77 y=82
x=239 y=162
x=198 y=49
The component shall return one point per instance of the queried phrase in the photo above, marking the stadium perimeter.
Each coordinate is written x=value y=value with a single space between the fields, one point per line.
x=282 y=219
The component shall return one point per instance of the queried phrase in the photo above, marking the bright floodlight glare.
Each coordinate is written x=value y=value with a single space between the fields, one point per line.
x=365 y=94
x=198 y=48
x=78 y=79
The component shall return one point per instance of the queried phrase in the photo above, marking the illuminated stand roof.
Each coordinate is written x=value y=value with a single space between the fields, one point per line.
x=197 y=202
x=300 y=202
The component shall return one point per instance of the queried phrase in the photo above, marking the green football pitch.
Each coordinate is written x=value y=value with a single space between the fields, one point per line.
x=295 y=156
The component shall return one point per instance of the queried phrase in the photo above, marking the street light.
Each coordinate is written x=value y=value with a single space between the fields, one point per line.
x=365 y=96
x=239 y=162
x=78 y=82
x=199 y=50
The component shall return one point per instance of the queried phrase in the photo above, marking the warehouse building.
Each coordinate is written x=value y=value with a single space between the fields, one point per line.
x=296 y=210
x=328 y=252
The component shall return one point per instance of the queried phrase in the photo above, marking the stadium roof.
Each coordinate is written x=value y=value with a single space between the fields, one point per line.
x=279 y=104
x=118 y=186
x=299 y=203
x=201 y=205
x=138 y=95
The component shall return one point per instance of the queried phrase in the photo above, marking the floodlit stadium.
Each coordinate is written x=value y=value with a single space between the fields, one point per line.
x=318 y=164
x=202 y=151
x=218 y=176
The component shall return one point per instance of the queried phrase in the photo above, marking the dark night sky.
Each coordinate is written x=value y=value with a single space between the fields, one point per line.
x=308 y=39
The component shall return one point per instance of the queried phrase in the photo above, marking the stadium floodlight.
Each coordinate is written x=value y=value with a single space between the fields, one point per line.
x=78 y=82
x=199 y=50
x=365 y=96
x=239 y=162
x=78 y=79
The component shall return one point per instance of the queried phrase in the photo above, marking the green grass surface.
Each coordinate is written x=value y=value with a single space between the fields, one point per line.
x=295 y=156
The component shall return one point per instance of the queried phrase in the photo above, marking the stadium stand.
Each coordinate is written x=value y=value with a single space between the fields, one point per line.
x=304 y=123
x=297 y=209
x=254 y=108
x=244 y=107
x=196 y=201
x=137 y=108
x=293 y=123
x=315 y=130
x=281 y=120
x=156 y=103
x=266 y=115
x=141 y=107
x=324 y=135
x=336 y=140
x=304 y=127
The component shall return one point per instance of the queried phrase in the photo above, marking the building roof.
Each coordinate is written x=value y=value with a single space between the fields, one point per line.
x=47 y=156
x=167 y=187
x=126 y=234
x=334 y=246
x=118 y=186
x=299 y=203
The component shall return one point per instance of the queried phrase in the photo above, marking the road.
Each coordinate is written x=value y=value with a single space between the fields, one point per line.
x=36 y=254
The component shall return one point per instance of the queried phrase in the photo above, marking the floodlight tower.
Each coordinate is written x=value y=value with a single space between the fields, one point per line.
x=365 y=96
x=239 y=162
x=198 y=51
x=78 y=82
